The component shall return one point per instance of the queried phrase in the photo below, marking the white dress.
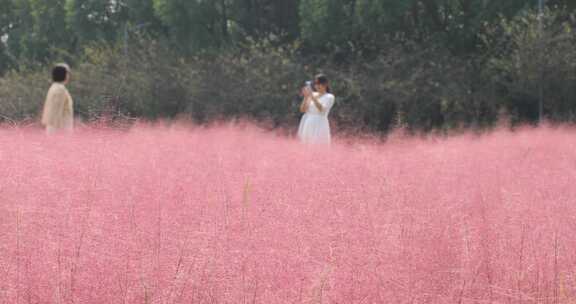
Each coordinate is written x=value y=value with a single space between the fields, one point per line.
x=314 y=126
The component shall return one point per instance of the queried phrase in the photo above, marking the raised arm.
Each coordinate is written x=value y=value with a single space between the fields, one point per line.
x=308 y=94
x=304 y=104
x=317 y=102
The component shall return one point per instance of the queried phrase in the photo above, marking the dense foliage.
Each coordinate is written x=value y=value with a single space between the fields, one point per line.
x=420 y=64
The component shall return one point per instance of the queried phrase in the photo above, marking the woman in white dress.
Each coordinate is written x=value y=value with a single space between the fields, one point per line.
x=314 y=125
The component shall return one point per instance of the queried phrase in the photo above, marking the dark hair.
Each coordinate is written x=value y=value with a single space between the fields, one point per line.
x=59 y=73
x=322 y=79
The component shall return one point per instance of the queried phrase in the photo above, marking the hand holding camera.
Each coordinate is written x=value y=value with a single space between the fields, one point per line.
x=307 y=90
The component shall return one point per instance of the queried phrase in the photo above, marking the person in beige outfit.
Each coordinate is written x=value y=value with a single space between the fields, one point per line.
x=58 y=113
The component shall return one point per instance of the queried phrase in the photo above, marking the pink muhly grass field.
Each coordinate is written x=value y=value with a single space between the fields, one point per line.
x=238 y=215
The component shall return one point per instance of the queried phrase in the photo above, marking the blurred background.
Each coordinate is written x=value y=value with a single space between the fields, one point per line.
x=422 y=65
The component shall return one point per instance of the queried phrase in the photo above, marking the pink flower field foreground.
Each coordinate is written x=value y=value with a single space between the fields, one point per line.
x=237 y=215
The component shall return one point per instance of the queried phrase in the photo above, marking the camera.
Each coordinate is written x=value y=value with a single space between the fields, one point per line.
x=307 y=84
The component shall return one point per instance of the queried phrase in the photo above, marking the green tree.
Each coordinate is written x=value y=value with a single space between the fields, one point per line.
x=362 y=25
x=195 y=25
x=262 y=18
x=36 y=29
x=327 y=24
x=378 y=20
x=141 y=12
x=20 y=25
x=6 y=23
x=94 y=20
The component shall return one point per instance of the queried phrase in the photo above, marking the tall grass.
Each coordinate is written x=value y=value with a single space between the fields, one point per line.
x=235 y=215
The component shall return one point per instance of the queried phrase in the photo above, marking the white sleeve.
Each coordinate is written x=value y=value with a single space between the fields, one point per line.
x=327 y=102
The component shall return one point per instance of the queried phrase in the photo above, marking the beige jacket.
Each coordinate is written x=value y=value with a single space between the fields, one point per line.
x=58 y=110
